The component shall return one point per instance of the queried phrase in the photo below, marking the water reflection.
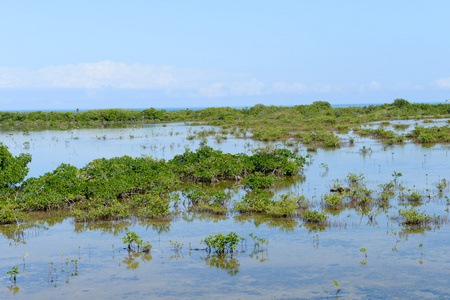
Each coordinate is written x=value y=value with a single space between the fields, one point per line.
x=18 y=233
x=224 y=262
x=160 y=226
x=315 y=227
x=105 y=227
x=132 y=262
x=282 y=224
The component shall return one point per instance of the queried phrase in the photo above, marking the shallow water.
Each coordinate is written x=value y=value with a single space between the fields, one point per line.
x=300 y=261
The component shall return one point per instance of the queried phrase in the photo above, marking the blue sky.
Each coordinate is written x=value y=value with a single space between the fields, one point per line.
x=139 y=54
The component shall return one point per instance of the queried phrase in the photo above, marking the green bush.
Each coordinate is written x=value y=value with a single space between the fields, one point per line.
x=259 y=181
x=332 y=200
x=10 y=214
x=220 y=243
x=13 y=169
x=413 y=216
x=314 y=216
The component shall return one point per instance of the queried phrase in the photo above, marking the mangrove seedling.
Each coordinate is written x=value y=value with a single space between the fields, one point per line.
x=396 y=175
x=146 y=247
x=352 y=177
x=220 y=243
x=258 y=242
x=336 y=285
x=176 y=246
x=75 y=261
x=26 y=254
x=365 y=150
x=442 y=185
x=13 y=273
x=131 y=238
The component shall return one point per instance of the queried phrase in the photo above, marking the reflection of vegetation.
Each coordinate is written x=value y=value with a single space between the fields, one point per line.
x=315 y=227
x=260 y=256
x=110 y=227
x=224 y=262
x=283 y=224
x=286 y=225
x=414 y=230
x=114 y=211
x=157 y=225
x=17 y=233
x=10 y=214
x=13 y=288
x=131 y=259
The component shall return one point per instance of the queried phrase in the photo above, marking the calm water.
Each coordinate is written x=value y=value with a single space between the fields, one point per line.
x=300 y=262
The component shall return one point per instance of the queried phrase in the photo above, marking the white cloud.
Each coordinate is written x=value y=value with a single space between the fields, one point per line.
x=374 y=86
x=407 y=86
x=92 y=75
x=443 y=83
x=292 y=88
x=176 y=82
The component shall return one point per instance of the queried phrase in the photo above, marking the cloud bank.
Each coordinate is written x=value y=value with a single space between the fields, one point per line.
x=102 y=83
x=172 y=80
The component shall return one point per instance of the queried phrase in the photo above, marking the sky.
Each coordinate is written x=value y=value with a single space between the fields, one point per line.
x=138 y=54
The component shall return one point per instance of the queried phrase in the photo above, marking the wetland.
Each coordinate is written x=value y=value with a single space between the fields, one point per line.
x=263 y=202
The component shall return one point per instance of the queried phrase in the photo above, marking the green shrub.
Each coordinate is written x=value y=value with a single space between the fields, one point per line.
x=13 y=169
x=220 y=243
x=314 y=216
x=332 y=200
x=10 y=214
x=259 y=181
x=255 y=201
x=285 y=206
x=413 y=216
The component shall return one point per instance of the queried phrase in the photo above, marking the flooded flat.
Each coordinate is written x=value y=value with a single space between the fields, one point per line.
x=360 y=252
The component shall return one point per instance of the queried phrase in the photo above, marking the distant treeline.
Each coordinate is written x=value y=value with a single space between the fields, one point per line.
x=399 y=109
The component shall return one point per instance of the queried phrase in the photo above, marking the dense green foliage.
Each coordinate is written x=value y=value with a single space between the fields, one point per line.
x=413 y=216
x=12 y=169
x=207 y=164
x=95 y=191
